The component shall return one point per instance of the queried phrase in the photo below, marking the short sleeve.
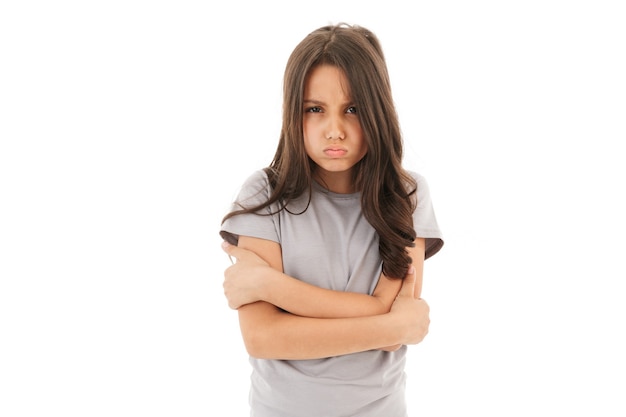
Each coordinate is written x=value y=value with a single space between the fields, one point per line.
x=262 y=224
x=424 y=219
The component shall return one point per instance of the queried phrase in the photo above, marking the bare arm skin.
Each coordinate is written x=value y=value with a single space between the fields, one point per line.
x=271 y=333
x=252 y=279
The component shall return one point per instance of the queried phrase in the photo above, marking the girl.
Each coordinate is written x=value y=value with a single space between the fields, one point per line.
x=330 y=241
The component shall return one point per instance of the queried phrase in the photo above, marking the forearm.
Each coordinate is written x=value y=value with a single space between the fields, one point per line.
x=304 y=299
x=257 y=276
x=271 y=334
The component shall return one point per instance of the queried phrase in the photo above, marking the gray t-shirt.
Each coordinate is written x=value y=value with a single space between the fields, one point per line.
x=329 y=244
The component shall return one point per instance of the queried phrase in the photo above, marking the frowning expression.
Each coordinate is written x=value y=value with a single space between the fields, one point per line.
x=333 y=137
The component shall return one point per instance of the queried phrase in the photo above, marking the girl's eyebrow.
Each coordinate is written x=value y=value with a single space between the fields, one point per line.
x=321 y=103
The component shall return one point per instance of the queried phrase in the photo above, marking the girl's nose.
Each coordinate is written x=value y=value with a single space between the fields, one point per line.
x=335 y=129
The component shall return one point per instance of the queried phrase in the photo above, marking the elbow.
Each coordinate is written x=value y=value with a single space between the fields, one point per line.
x=254 y=346
x=260 y=330
x=257 y=343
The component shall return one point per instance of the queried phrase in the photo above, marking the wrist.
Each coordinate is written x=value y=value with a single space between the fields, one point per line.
x=396 y=328
x=264 y=283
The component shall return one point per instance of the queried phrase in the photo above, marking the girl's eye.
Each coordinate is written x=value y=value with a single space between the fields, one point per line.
x=314 y=109
x=351 y=109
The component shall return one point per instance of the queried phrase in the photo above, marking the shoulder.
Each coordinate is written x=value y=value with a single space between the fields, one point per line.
x=419 y=178
x=258 y=177
x=422 y=193
x=255 y=189
x=420 y=182
x=256 y=181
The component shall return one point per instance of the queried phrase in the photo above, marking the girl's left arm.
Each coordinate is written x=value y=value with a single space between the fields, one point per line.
x=251 y=279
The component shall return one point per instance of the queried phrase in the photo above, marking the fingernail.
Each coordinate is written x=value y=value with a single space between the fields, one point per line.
x=225 y=245
x=411 y=270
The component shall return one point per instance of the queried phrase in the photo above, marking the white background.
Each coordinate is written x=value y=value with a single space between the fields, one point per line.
x=127 y=127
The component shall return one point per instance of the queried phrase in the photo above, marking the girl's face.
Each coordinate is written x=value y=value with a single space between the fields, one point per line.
x=333 y=137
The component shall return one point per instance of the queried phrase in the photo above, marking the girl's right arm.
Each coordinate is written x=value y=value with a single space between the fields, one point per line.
x=253 y=279
x=269 y=332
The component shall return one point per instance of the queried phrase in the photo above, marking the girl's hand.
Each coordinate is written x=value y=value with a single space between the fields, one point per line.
x=242 y=280
x=410 y=313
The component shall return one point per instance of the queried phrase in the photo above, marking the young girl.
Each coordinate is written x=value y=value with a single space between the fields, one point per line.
x=330 y=241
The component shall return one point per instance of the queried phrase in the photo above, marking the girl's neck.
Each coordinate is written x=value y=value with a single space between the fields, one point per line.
x=336 y=182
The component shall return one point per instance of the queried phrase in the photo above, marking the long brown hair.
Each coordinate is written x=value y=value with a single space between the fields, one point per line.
x=388 y=192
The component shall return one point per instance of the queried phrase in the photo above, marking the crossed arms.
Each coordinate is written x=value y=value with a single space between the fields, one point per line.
x=283 y=318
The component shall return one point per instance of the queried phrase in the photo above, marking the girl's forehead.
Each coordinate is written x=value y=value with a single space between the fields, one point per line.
x=327 y=78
